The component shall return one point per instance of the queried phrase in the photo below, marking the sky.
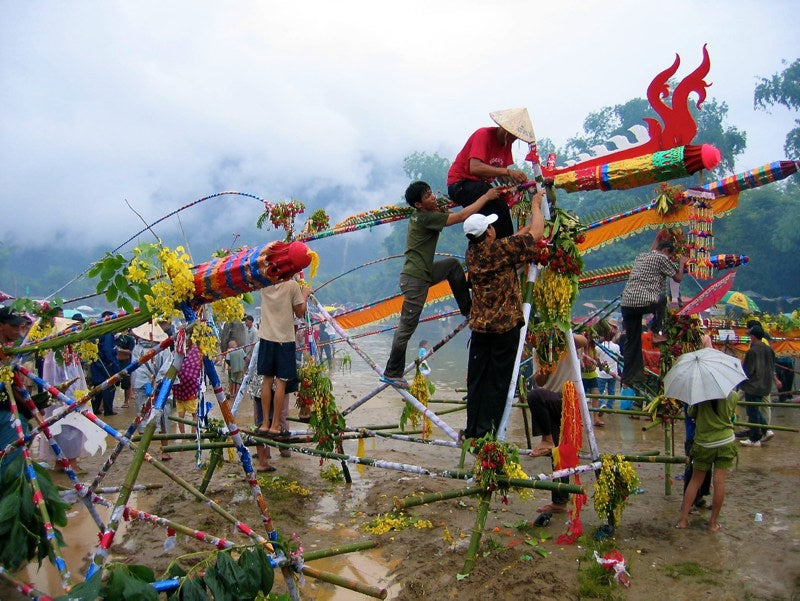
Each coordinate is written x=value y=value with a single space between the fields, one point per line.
x=156 y=104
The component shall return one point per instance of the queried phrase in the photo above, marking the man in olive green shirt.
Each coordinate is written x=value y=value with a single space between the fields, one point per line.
x=420 y=271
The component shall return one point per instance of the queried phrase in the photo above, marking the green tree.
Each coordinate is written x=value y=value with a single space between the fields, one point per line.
x=784 y=89
x=430 y=168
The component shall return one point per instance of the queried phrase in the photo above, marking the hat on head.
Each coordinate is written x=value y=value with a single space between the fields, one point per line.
x=150 y=331
x=476 y=224
x=612 y=322
x=10 y=317
x=516 y=122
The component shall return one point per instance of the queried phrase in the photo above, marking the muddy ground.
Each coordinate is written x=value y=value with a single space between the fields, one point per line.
x=748 y=559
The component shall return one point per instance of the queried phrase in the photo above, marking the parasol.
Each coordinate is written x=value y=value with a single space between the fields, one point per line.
x=703 y=375
x=737 y=299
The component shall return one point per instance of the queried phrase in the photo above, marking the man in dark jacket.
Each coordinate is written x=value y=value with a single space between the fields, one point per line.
x=759 y=366
x=103 y=368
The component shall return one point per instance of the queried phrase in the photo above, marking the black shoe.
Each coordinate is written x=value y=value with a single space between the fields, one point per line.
x=112 y=413
x=742 y=434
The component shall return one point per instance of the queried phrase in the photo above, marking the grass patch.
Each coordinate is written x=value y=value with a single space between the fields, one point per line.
x=687 y=568
x=594 y=581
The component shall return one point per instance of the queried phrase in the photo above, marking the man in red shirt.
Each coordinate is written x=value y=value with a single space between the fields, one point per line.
x=486 y=157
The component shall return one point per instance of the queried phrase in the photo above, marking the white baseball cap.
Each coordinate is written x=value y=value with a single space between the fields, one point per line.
x=476 y=224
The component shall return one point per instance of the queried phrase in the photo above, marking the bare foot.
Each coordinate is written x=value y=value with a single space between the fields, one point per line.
x=715 y=527
x=682 y=525
x=552 y=508
x=599 y=423
x=543 y=449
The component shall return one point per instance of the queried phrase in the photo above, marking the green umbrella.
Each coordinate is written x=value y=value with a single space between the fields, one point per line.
x=737 y=299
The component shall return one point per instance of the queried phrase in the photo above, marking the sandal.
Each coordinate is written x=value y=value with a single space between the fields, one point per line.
x=269 y=468
x=166 y=457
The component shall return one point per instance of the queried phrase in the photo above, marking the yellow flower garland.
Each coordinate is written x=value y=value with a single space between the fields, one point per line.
x=617 y=481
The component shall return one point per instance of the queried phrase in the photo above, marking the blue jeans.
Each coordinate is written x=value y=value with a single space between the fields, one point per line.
x=754 y=416
x=609 y=385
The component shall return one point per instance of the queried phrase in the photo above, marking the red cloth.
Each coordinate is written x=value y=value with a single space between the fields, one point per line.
x=484 y=146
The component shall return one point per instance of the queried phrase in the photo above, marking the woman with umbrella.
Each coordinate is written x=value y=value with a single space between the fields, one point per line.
x=705 y=380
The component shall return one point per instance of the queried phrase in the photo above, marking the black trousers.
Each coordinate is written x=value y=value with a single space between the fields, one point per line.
x=468 y=191
x=489 y=371
x=545 y=406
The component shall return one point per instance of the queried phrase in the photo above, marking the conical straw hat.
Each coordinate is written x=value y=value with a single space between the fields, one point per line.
x=150 y=331
x=516 y=122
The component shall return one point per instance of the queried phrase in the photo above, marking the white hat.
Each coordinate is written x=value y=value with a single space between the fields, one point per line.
x=150 y=331
x=476 y=224
x=516 y=122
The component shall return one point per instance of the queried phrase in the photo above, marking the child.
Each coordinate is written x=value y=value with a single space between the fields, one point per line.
x=714 y=446
x=424 y=349
x=235 y=361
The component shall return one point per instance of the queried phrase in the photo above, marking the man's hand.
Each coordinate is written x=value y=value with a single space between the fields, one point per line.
x=517 y=175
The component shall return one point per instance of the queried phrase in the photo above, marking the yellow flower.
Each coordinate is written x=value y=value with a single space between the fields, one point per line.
x=204 y=338
x=229 y=309
x=87 y=350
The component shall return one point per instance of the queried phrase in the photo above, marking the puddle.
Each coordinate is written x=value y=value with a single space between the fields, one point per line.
x=365 y=567
x=80 y=536
x=331 y=508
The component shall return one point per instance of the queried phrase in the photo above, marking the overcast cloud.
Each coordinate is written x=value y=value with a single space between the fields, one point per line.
x=161 y=103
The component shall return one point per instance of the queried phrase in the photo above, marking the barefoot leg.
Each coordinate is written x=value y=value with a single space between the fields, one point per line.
x=717 y=498
x=266 y=401
x=689 y=496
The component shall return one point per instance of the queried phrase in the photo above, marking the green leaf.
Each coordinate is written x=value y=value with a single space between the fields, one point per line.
x=115 y=585
x=126 y=305
x=530 y=542
x=216 y=586
x=267 y=573
x=121 y=283
x=111 y=294
x=525 y=557
x=250 y=582
x=94 y=270
x=174 y=571
x=193 y=590
x=9 y=506
x=542 y=552
x=88 y=590
x=138 y=589
x=142 y=573
x=227 y=570
x=460 y=577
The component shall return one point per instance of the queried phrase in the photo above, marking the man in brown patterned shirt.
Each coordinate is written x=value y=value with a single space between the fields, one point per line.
x=496 y=315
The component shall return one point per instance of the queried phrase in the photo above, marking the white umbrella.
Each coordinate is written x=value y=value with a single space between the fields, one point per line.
x=703 y=375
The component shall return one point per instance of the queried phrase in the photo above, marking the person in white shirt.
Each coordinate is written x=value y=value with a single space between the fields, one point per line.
x=607 y=353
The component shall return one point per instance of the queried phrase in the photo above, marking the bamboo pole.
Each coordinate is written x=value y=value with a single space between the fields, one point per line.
x=107 y=537
x=26 y=589
x=38 y=498
x=424 y=498
x=65 y=464
x=213 y=461
x=409 y=398
x=477 y=532
x=532 y=273
x=667 y=450
x=340 y=550
x=353 y=585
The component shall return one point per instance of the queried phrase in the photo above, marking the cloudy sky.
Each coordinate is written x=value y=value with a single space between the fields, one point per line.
x=161 y=103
